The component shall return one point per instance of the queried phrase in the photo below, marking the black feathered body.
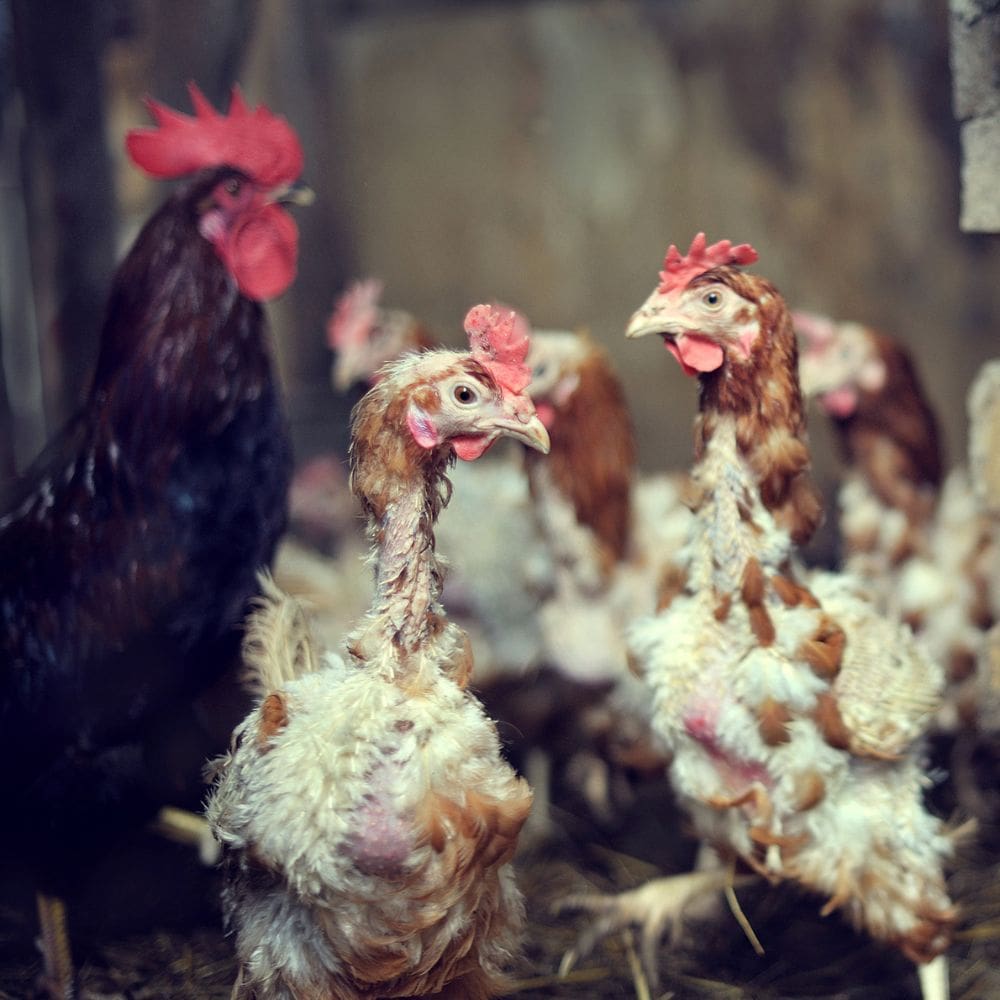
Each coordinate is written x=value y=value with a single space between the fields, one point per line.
x=129 y=554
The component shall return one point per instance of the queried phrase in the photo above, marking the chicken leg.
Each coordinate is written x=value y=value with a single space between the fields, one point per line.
x=933 y=978
x=58 y=979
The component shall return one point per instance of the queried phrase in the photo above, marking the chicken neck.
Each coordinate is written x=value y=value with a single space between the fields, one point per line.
x=408 y=576
x=752 y=423
x=402 y=488
x=180 y=347
x=734 y=526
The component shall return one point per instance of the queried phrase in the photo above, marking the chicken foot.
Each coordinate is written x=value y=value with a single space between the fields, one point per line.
x=654 y=909
x=58 y=979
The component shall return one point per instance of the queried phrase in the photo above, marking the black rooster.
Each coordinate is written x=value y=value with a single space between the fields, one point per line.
x=129 y=552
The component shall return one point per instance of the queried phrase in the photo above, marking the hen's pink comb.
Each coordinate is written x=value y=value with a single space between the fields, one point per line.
x=678 y=271
x=354 y=315
x=261 y=145
x=499 y=341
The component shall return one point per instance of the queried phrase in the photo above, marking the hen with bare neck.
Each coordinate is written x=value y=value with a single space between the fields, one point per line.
x=366 y=815
x=793 y=714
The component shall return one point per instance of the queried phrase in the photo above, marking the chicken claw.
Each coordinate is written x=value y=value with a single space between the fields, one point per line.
x=653 y=909
x=933 y=976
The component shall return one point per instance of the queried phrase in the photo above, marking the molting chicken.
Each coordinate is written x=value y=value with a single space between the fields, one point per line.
x=366 y=815
x=793 y=713
x=495 y=606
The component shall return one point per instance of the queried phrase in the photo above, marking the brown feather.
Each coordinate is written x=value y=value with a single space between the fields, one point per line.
x=672 y=582
x=381 y=457
x=810 y=790
x=723 y=608
x=273 y=718
x=753 y=584
x=764 y=396
x=474 y=985
x=772 y=722
x=893 y=433
x=787 y=590
x=830 y=722
x=762 y=625
x=593 y=455
x=825 y=650
x=386 y=463
x=471 y=842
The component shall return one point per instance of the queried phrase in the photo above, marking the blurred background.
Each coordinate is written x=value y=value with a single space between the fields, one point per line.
x=543 y=154
x=540 y=153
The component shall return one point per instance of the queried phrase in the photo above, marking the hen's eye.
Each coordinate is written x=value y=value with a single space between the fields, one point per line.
x=539 y=370
x=232 y=186
x=464 y=394
x=712 y=299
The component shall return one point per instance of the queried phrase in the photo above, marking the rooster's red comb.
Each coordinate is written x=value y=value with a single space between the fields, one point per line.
x=354 y=315
x=260 y=144
x=678 y=271
x=499 y=339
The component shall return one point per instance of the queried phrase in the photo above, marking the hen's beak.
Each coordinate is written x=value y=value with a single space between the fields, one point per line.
x=658 y=315
x=697 y=352
x=529 y=430
x=296 y=193
x=642 y=324
x=346 y=370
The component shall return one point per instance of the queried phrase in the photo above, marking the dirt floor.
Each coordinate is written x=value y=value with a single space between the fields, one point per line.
x=146 y=923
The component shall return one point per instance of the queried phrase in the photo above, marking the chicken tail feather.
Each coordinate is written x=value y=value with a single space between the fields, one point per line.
x=277 y=645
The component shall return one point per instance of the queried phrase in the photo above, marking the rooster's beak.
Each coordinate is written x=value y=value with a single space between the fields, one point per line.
x=295 y=193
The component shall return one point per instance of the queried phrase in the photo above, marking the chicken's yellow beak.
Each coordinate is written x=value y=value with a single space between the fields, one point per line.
x=529 y=430
x=658 y=314
x=648 y=318
x=642 y=325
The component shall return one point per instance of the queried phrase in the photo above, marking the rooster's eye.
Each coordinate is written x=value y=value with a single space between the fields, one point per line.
x=464 y=394
x=232 y=186
x=712 y=299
